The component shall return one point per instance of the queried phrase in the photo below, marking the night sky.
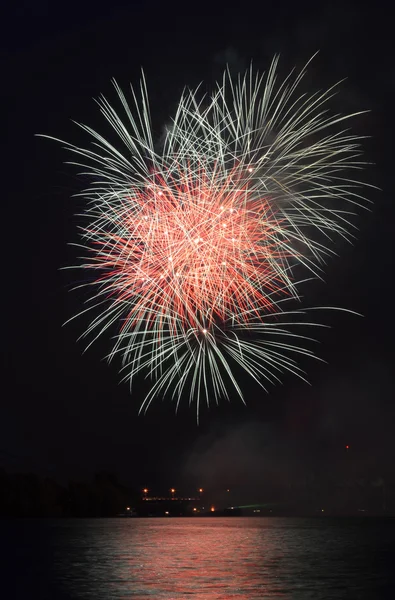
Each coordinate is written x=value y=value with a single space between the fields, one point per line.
x=64 y=414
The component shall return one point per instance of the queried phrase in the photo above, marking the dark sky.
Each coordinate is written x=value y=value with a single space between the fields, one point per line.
x=64 y=414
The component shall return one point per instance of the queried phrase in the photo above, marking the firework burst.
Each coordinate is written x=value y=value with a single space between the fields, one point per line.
x=195 y=245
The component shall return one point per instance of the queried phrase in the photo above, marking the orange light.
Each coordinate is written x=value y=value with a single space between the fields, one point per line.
x=195 y=509
x=145 y=490
x=200 y=490
x=172 y=490
x=212 y=509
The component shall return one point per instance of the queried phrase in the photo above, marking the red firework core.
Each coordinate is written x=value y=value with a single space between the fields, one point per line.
x=198 y=250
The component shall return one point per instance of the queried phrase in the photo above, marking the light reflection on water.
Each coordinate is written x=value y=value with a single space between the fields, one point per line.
x=208 y=558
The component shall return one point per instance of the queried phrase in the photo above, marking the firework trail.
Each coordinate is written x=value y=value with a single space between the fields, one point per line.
x=194 y=246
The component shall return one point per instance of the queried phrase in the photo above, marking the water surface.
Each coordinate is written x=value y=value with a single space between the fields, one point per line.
x=204 y=558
